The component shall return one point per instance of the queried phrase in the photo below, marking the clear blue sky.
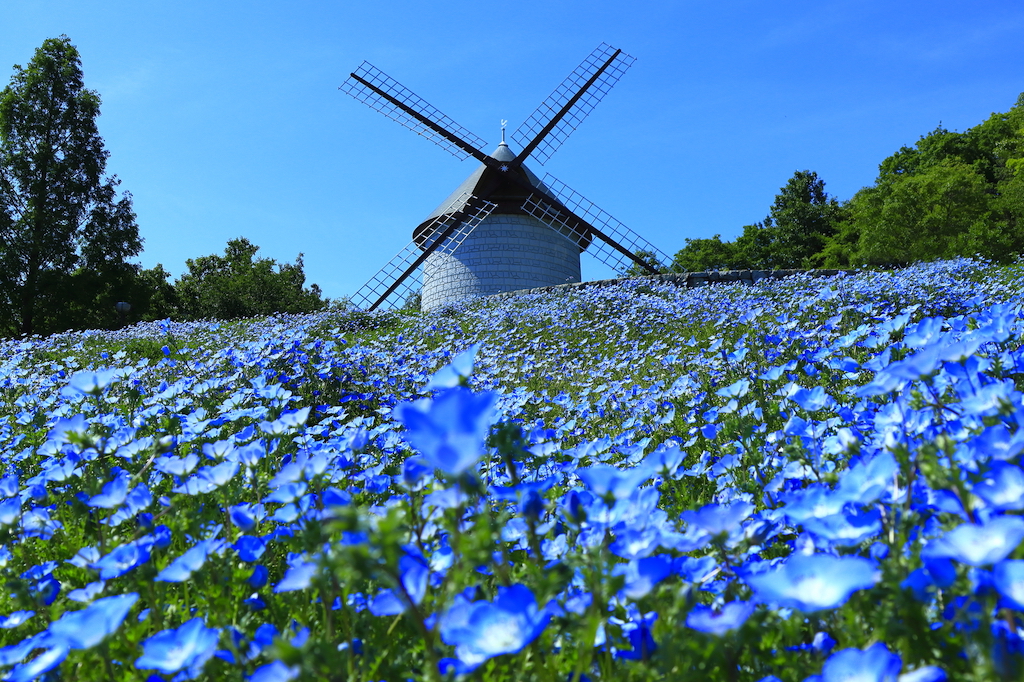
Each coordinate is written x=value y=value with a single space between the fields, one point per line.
x=223 y=118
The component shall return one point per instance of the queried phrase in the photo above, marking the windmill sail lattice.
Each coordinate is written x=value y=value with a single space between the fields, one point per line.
x=605 y=66
x=615 y=245
x=503 y=229
x=392 y=285
x=381 y=92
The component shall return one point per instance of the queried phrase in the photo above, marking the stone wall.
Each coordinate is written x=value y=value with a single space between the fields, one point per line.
x=691 y=279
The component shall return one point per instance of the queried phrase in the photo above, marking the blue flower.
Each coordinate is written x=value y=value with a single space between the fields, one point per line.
x=719 y=518
x=483 y=630
x=275 y=671
x=182 y=568
x=874 y=664
x=1008 y=578
x=44 y=662
x=642 y=575
x=15 y=619
x=456 y=373
x=720 y=621
x=86 y=628
x=298 y=577
x=250 y=548
x=124 y=558
x=92 y=383
x=611 y=482
x=1002 y=488
x=189 y=646
x=450 y=429
x=978 y=544
x=112 y=495
x=413 y=574
x=812 y=582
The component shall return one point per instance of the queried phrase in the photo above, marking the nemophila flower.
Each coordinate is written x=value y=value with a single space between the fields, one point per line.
x=10 y=511
x=298 y=577
x=719 y=518
x=481 y=630
x=243 y=516
x=812 y=582
x=209 y=478
x=413 y=574
x=1008 y=578
x=812 y=400
x=612 y=483
x=86 y=628
x=187 y=648
x=874 y=664
x=450 y=429
x=182 y=568
x=258 y=577
x=642 y=575
x=978 y=544
x=44 y=662
x=176 y=466
x=720 y=621
x=15 y=619
x=846 y=529
x=123 y=558
x=91 y=383
x=88 y=593
x=112 y=494
x=1002 y=488
x=249 y=548
x=456 y=373
x=638 y=633
x=275 y=671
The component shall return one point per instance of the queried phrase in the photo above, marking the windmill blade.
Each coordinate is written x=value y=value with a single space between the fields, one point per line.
x=395 y=282
x=616 y=245
x=377 y=90
x=571 y=102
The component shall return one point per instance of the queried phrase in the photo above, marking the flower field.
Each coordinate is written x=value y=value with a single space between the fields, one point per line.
x=803 y=479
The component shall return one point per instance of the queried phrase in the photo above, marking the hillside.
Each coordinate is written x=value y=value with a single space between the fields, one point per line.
x=637 y=482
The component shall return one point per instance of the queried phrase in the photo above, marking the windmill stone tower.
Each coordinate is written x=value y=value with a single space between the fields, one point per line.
x=503 y=228
x=509 y=250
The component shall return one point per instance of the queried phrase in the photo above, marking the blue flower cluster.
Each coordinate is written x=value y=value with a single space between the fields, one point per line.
x=804 y=479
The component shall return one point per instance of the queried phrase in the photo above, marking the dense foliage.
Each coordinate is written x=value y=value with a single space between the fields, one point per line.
x=951 y=194
x=237 y=285
x=65 y=236
x=796 y=478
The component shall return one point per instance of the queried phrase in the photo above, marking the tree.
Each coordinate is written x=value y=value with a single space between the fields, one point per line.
x=706 y=254
x=800 y=222
x=938 y=213
x=235 y=285
x=65 y=236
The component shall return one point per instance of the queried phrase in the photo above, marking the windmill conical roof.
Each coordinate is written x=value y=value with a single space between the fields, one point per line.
x=509 y=196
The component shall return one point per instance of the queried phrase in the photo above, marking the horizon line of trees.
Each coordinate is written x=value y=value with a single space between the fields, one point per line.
x=951 y=194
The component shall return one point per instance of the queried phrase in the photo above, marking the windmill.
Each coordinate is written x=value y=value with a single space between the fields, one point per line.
x=504 y=228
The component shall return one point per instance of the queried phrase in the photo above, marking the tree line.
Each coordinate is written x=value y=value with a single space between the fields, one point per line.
x=67 y=235
x=951 y=194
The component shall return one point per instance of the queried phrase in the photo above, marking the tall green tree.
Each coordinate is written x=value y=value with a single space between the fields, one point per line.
x=65 y=235
x=800 y=222
x=239 y=285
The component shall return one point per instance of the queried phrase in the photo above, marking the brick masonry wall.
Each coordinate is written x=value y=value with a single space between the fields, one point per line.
x=504 y=253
